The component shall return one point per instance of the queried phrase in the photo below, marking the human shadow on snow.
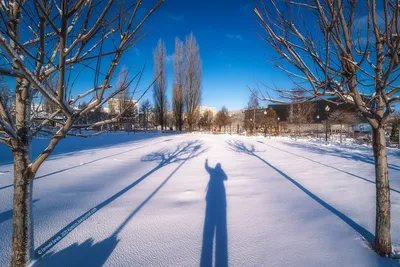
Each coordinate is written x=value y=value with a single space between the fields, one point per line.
x=326 y=165
x=215 y=219
x=164 y=157
x=240 y=147
x=90 y=162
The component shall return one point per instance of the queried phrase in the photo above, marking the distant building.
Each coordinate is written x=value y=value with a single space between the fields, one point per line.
x=283 y=111
x=116 y=104
x=41 y=112
x=203 y=109
x=237 y=120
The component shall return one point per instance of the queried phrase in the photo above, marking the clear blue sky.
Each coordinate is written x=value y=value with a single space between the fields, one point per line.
x=233 y=54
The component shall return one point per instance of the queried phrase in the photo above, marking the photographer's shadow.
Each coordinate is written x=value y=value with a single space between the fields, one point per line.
x=215 y=219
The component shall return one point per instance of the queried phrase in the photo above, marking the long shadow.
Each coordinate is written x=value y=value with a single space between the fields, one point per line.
x=7 y=215
x=89 y=162
x=89 y=254
x=76 y=144
x=326 y=165
x=215 y=219
x=332 y=151
x=240 y=147
x=182 y=153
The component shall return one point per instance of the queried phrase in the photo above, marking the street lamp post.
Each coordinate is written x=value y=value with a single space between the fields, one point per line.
x=317 y=125
x=245 y=124
x=326 y=123
x=254 y=119
x=279 y=128
x=230 y=124
x=265 y=125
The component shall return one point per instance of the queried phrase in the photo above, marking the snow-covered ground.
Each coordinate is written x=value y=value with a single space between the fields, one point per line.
x=146 y=201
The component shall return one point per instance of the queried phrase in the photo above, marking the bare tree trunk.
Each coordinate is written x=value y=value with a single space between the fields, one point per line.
x=160 y=86
x=180 y=121
x=22 y=239
x=341 y=129
x=382 y=230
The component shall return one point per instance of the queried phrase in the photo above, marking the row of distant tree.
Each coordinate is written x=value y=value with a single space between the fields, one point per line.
x=304 y=113
x=186 y=91
x=300 y=114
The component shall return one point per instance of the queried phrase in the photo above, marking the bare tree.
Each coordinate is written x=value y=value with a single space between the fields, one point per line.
x=51 y=85
x=193 y=75
x=124 y=97
x=222 y=118
x=394 y=120
x=169 y=120
x=301 y=113
x=40 y=39
x=6 y=96
x=206 y=120
x=349 y=49
x=146 y=108
x=92 y=116
x=270 y=120
x=343 y=117
x=179 y=82
x=160 y=86
x=251 y=116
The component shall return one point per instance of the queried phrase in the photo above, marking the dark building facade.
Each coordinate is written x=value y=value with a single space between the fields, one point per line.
x=283 y=110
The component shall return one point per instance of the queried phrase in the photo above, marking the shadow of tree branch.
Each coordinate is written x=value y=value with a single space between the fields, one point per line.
x=326 y=165
x=240 y=147
x=164 y=157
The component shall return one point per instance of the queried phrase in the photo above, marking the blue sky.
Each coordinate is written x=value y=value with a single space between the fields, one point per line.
x=233 y=54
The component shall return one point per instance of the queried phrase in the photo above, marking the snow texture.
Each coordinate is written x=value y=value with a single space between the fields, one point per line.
x=151 y=200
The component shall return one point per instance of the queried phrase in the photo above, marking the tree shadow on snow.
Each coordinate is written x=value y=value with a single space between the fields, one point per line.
x=240 y=147
x=87 y=253
x=7 y=215
x=73 y=145
x=326 y=165
x=89 y=162
x=164 y=157
x=338 y=152
x=215 y=219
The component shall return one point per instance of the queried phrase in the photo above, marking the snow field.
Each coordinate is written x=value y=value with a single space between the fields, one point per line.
x=142 y=202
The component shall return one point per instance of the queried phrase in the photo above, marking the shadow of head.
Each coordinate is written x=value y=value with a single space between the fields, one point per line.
x=87 y=253
x=184 y=151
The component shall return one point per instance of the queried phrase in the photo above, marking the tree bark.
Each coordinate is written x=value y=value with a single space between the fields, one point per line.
x=382 y=228
x=22 y=239
x=341 y=129
x=180 y=120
